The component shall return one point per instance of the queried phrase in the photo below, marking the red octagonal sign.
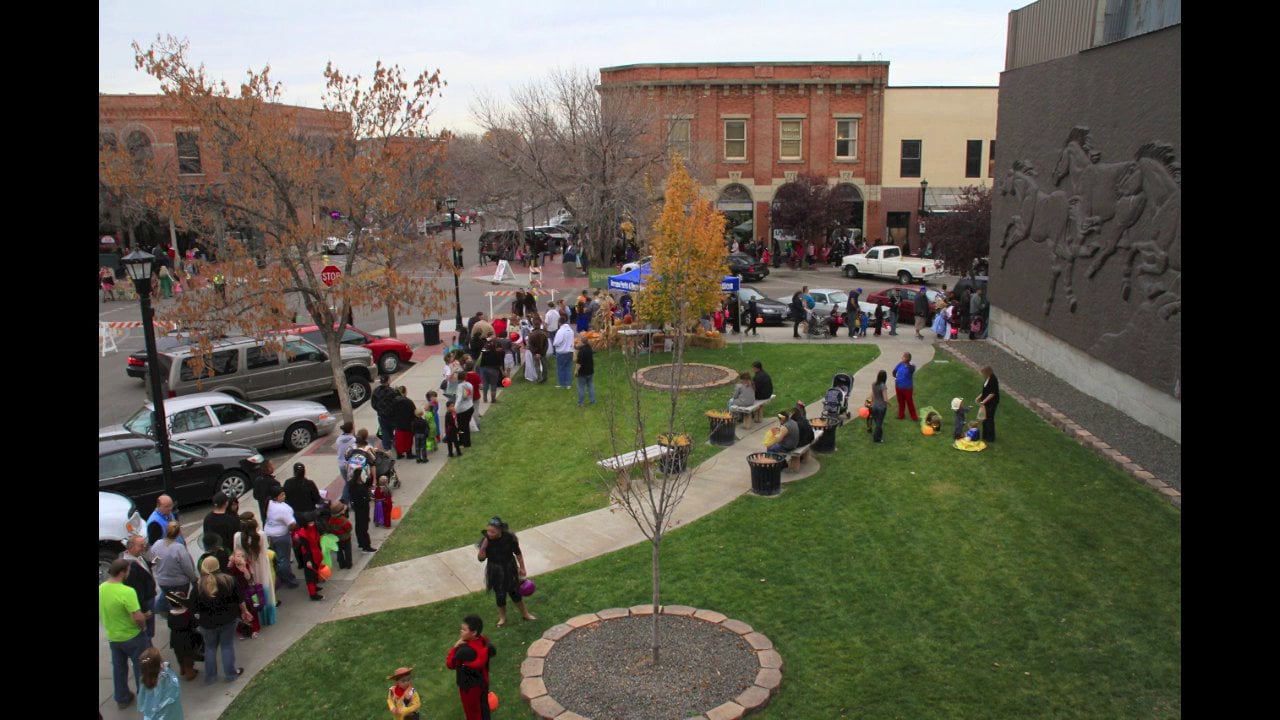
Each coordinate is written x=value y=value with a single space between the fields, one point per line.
x=330 y=274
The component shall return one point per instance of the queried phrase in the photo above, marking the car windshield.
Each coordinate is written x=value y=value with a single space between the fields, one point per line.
x=187 y=448
x=257 y=407
x=838 y=297
x=140 y=422
x=749 y=294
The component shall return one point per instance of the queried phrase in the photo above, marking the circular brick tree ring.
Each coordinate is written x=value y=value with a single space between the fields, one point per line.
x=589 y=646
x=695 y=376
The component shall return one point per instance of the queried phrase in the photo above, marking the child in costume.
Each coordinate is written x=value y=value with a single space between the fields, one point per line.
x=403 y=700
x=184 y=638
x=957 y=406
x=306 y=541
x=340 y=527
x=240 y=569
x=421 y=432
x=451 y=428
x=382 y=500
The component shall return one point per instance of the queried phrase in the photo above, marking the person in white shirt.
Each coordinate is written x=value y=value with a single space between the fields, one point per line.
x=552 y=318
x=280 y=522
x=563 y=348
x=466 y=407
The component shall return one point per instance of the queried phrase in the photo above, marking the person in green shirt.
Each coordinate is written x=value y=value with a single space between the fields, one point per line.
x=123 y=619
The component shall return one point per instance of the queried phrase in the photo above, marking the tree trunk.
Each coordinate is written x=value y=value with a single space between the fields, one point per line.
x=657 y=586
x=391 y=317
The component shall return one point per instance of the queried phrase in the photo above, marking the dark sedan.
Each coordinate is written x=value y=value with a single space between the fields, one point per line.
x=129 y=464
x=770 y=311
x=747 y=267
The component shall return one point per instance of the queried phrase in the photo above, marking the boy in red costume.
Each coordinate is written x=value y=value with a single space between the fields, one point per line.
x=340 y=527
x=306 y=541
x=470 y=657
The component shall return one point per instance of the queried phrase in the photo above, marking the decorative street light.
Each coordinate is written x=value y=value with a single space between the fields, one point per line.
x=451 y=203
x=924 y=186
x=138 y=264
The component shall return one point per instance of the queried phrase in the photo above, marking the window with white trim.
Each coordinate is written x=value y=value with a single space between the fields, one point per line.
x=188 y=153
x=735 y=139
x=789 y=139
x=678 y=136
x=846 y=139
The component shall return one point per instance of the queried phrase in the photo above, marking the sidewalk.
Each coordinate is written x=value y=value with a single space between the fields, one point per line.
x=355 y=592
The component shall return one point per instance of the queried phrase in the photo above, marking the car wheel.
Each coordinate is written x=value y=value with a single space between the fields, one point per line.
x=233 y=483
x=298 y=436
x=850 y=271
x=340 y=249
x=389 y=363
x=904 y=277
x=106 y=556
x=358 y=391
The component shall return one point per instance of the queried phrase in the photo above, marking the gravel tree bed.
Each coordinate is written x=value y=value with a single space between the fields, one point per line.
x=693 y=376
x=606 y=670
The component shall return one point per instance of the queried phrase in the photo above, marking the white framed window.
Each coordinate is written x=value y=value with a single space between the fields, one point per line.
x=735 y=139
x=678 y=138
x=789 y=139
x=846 y=139
x=188 y=153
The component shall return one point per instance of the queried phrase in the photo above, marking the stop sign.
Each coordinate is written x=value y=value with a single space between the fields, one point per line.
x=330 y=274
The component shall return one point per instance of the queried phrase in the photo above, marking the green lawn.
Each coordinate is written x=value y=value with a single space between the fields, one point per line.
x=534 y=460
x=906 y=580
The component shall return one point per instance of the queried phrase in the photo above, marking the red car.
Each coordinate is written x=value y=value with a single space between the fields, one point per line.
x=906 y=302
x=389 y=353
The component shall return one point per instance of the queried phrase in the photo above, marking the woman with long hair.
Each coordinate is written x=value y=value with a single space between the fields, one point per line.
x=219 y=606
x=254 y=544
x=879 y=405
x=159 y=692
x=505 y=566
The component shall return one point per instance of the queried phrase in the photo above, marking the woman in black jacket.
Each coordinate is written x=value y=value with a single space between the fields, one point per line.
x=490 y=370
x=219 y=605
x=989 y=399
x=359 y=491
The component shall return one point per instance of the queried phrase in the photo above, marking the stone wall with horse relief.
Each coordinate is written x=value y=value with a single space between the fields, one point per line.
x=1086 y=243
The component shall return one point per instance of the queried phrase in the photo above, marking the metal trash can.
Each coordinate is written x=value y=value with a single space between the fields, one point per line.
x=826 y=443
x=430 y=332
x=722 y=428
x=766 y=473
x=677 y=460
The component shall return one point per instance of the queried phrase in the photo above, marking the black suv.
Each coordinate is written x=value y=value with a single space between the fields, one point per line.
x=129 y=464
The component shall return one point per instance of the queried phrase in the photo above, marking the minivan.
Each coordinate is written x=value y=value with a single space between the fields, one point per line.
x=249 y=370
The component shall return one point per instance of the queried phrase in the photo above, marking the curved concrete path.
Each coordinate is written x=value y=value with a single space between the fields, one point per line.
x=716 y=482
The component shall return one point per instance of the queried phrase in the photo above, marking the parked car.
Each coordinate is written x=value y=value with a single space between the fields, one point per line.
x=136 y=364
x=746 y=267
x=824 y=299
x=887 y=261
x=389 y=353
x=339 y=245
x=772 y=311
x=215 y=416
x=129 y=464
x=906 y=302
x=628 y=267
x=118 y=518
x=250 y=370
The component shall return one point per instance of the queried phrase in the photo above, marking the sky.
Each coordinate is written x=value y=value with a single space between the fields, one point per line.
x=486 y=48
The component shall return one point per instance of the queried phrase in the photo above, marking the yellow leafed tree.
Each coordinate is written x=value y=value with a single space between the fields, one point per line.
x=688 y=257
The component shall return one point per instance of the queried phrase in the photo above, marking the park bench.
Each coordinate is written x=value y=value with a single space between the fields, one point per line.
x=623 y=463
x=754 y=411
x=801 y=453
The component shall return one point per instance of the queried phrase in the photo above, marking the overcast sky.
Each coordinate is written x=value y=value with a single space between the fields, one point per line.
x=489 y=46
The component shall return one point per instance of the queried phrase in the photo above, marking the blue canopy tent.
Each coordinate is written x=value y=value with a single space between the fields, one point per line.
x=634 y=280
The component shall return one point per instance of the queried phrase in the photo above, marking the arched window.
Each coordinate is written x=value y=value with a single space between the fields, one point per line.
x=848 y=205
x=139 y=145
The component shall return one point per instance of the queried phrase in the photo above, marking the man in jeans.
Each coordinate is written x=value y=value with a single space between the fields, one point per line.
x=124 y=620
x=563 y=348
x=382 y=401
x=280 y=523
x=586 y=370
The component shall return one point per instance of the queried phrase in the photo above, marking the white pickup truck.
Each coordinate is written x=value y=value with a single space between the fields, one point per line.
x=887 y=261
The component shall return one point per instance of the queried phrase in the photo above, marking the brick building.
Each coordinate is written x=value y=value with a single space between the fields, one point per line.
x=748 y=128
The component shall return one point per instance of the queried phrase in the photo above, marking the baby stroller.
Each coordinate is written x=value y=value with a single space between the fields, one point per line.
x=835 y=404
x=385 y=462
x=816 y=326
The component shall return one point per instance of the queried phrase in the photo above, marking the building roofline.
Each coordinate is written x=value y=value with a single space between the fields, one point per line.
x=784 y=63
x=942 y=87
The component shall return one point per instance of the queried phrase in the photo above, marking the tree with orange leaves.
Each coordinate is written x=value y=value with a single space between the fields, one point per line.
x=268 y=170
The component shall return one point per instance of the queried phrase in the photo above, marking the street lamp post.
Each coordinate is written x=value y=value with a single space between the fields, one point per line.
x=451 y=203
x=924 y=186
x=138 y=264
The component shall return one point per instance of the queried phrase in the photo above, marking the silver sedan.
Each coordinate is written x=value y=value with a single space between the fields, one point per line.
x=218 y=417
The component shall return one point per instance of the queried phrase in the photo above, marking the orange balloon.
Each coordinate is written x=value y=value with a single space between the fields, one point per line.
x=493 y=700
x=324 y=572
x=864 y=412
x=928 y=430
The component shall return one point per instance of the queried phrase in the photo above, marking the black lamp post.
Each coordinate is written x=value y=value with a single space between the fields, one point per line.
x=139 y=264
x=924 y=186
x=451 y=203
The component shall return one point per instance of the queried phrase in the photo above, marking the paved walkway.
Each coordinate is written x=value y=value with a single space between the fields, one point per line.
x=361 y=590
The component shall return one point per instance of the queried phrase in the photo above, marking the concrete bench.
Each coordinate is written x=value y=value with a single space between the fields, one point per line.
x=754 y=411
x=623 y=463
x=801 y=453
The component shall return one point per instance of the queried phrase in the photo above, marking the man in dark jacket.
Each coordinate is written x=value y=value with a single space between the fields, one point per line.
x=221 y=521
x=382 y=401
x=300 y=492
x=262 y=482
x=798 y=312
x=753 y=311
x=922 y=311
x=763 y=383
x=538 y=345
x=735 y=312
x=141 y=579
x=852 y=311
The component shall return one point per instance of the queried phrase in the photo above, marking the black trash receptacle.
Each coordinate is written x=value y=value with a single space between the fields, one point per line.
x=826 y=443
x=766 y=473
x=722 y=425
x=430 y=332
x=677 y=459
